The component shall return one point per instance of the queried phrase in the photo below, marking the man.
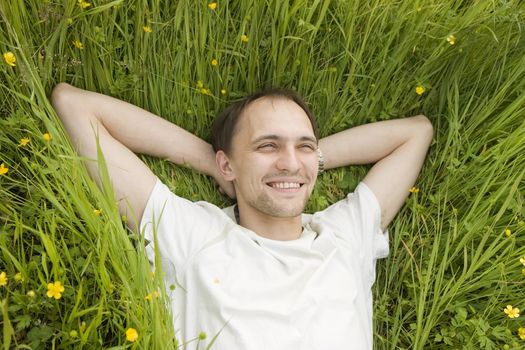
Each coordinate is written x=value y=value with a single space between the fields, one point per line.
x=261 y=275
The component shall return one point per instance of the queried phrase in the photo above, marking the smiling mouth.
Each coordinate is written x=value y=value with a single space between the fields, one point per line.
x=285 y=185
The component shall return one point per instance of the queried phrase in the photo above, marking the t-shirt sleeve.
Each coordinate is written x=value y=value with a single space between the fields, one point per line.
x=357 y=220
x=178 y=227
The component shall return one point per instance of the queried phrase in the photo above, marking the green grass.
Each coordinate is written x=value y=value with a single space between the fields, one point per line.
x=452 y=269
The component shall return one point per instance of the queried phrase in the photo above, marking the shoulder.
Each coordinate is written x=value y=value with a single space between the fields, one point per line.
x=163 y=201
x=360 y=202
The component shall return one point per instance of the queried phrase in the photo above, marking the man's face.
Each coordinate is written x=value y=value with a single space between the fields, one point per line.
x=274 y=158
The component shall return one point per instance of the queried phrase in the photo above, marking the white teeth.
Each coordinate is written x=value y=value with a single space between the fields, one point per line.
x=286 y=185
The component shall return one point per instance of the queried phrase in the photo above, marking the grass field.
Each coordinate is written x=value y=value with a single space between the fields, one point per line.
x=457 y=247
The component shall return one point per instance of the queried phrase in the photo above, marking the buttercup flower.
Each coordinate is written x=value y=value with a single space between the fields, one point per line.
x=3 y=279
x=23 y=141
x=512 y=312
x=10 y=58
x=78 y=44
x=521 y=333
x=199 y=84
x=83 y=4
x=413 y=190
x=132 y=334
x=451 y=39
x=244 y=38
x=214 y=62
x=97 y=212
x=223 y=91
x=508 y=232
x=31 y=294
x=3 y=169
x=47 y=136
x=19 y=278
x=420 y=90
x=147 y=29
x=212 y=5
x=150 y=296
x=55 y=290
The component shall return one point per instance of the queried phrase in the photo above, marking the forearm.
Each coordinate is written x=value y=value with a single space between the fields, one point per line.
x=138 y=130
x=369 y=143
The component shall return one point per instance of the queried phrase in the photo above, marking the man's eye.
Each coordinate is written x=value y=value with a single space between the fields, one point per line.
x=308 y=147
x=267 y=146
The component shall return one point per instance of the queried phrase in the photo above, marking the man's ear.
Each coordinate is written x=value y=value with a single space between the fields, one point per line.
x=224 y=166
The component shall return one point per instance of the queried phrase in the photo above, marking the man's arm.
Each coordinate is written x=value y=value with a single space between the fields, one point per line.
x=124 y=129
x=397 y=147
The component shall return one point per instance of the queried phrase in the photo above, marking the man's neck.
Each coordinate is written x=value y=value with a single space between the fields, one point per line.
x=271 y=227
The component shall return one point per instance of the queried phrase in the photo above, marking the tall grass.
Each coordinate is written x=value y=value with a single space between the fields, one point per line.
x=455 y=246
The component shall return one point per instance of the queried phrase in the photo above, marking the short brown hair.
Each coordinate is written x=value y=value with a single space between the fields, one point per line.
x=223 y=128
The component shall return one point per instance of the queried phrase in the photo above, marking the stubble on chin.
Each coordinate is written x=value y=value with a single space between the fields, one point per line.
x=268 y=206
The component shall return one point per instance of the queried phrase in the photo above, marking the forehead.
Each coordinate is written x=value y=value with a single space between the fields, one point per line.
x=274 y=116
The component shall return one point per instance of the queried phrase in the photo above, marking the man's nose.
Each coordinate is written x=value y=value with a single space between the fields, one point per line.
x=288 y=159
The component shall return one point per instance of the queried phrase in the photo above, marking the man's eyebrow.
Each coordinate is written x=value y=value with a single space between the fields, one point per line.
x=277 y=138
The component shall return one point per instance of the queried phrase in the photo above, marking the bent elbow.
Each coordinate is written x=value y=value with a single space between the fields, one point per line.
x=424 y=125
x=58 y=95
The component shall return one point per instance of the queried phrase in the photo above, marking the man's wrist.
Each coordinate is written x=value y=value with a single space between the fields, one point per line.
x=320 y=160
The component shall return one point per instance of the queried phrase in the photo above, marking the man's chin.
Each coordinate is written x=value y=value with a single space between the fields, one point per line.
x=283 y=211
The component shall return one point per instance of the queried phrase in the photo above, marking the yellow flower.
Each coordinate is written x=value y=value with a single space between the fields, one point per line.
x=55 y=290
x=83 y=4
x=78 y=44
x=31 y=294
x=521 y=333
x=223 y=91
x=244 y=38
x=512 y=312
x=413 y=190
x=199 y=84
x=214 y=62
x=19 y=277
x=131 y=334
x=97 y=212
x=150 y=296
x=451 y=39
x=508 y=232
x=420 y=90
x=10 y=58
x=47 y=136
x=3 y=169
x=69 y=20
x=147 y=29
x=23 y=141
x=212 y=5
x=3 y=279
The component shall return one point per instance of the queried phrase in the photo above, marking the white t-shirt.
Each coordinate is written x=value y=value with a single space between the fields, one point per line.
x=256 y=293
